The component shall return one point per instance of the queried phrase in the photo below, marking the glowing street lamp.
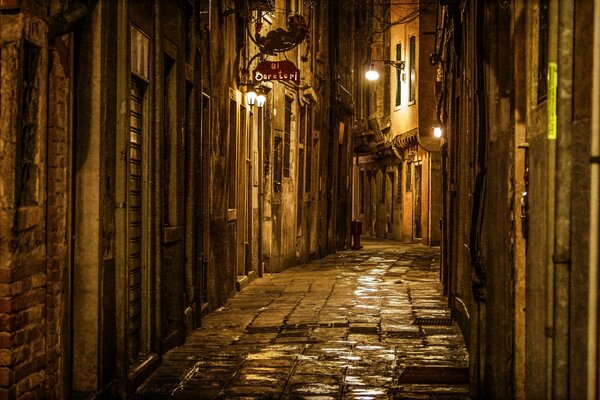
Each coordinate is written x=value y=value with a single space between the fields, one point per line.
x=260 y=100
x=372 y=74
x=251 y=97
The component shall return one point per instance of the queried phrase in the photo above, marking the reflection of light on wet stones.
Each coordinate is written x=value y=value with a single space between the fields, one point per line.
x=368 y=392
x=340 y=327
x=354 y=380
x=315 y=388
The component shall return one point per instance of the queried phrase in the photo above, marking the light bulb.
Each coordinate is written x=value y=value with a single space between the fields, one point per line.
x=371 y=74
x=260 y=100
x=251 y=97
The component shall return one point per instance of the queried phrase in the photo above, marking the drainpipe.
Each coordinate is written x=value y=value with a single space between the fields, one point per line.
x=562 y=235
x=592 y=361
x=550 y=193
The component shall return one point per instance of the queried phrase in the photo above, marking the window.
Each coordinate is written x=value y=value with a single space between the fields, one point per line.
x=543 y=51
x=398 y=76
x=232 y=154
x=412 y=82
x=286 y=137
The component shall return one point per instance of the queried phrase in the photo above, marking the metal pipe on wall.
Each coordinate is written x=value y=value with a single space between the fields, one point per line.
x=550 y=193
x=562 y=198
x=592 y=345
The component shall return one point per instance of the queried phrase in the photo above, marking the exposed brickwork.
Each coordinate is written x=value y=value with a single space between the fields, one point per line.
x=58 y=145
x=32 y=238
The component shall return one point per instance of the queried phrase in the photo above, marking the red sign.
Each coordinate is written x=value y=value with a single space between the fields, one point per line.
x=276 y=71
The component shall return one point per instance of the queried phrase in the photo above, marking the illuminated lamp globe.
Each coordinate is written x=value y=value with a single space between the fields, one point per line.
x=371 y=74
x=437 y=132
x=260 y=100
x=251 y=97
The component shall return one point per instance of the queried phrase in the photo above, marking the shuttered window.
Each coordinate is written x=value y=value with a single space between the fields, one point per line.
x=135 y=201
x=398 y=76
x=412 y=82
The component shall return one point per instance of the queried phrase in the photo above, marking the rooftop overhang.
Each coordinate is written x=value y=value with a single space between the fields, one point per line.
x=407 y=139
x=393 y=149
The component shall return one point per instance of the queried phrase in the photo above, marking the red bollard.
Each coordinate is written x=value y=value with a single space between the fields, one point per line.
x=356 y=231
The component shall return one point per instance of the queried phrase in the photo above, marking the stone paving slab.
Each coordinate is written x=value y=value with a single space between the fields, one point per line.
x=336 y=328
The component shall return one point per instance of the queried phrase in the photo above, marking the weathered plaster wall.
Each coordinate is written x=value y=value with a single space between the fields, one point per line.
x=24 y=247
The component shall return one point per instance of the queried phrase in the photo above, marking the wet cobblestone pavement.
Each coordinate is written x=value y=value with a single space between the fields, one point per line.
x=337 y=328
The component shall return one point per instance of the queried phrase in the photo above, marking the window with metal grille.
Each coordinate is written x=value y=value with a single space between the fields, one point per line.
x=398 y=76
x=412 y=82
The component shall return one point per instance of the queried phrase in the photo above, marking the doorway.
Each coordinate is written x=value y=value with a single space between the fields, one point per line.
x=418 y=201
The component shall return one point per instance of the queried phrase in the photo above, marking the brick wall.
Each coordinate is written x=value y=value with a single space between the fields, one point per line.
x=33 y=126
x=58 y=181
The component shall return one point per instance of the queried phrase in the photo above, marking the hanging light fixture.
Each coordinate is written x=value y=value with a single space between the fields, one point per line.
x=251 y=97
x=437 y=132
x=372 y=74
x=260 y=100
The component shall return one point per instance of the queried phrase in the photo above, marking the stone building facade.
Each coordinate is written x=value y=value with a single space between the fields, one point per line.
x=397 y=164
x=139 y=189
x=516 y=107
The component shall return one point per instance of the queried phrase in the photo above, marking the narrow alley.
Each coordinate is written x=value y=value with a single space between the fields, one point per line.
x=185 y=186
x=369 y=324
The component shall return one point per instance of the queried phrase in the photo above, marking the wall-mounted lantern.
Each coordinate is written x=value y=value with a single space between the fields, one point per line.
x=251 y=97
x=373 y=75
x=260 y=100
x=256 y=96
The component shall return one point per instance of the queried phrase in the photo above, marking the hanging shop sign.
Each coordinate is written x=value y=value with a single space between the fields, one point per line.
x=276 y=71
